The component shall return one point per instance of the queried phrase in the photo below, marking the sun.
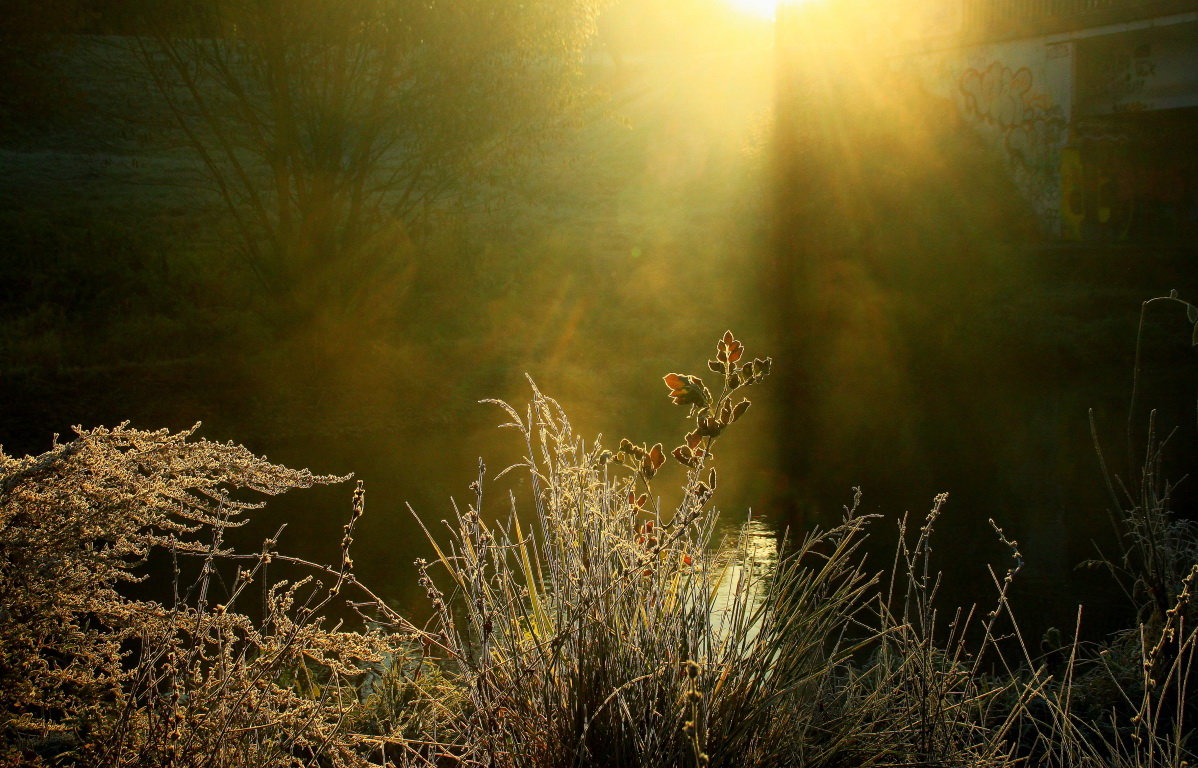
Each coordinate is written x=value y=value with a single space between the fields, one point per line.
x=762 y=9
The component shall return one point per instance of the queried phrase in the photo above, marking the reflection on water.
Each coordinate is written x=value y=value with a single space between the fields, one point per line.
x=741 y=582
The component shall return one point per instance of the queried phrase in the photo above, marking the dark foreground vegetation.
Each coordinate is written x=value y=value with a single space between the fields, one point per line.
x=611 y=631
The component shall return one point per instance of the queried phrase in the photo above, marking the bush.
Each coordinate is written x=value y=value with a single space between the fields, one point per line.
x=614 y=633
x=90 y=676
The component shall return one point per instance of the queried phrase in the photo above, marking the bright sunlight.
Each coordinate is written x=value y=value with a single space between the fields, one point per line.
x=763 y=9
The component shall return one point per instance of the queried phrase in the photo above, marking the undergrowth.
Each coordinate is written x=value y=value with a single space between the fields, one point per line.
x=599 y=623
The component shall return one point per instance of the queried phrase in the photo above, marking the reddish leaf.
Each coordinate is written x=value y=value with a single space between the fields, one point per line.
x=686 y=390
x=656 y=456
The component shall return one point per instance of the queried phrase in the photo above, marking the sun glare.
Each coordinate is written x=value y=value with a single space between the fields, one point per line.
x=763 y=9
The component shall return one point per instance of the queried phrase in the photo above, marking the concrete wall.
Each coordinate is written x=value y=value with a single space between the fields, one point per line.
x=1018 y=96
x=1028 y=97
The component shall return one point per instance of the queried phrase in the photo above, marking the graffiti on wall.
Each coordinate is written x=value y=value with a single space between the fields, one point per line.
x=1031 y=126
x=1028 y=124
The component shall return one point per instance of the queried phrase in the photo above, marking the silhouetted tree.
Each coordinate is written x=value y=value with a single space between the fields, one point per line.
x=331 y=129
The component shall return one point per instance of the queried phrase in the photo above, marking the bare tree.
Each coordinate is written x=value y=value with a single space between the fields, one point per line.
x=330 y=128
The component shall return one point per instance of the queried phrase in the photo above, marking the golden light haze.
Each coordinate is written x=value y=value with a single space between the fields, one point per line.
x=762 y=8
